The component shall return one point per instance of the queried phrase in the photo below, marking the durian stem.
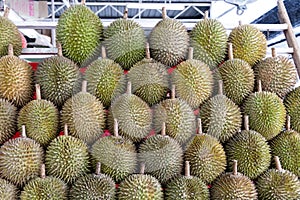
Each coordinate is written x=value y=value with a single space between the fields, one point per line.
x=191 y=51
x=277 y=163
x=128 y=88
x=147 y=51
x=10 y=50
x=206 y=14
x=59 y=49
x=240 y=23
x=23 y=134
x=142 y=168
x=82 y=2
x=246 y=122
x=288 y=123
x=103 y=52
x=84 y=86
x=187 y=169
x=38 y=92
x=273 y=52
x=43 y=171
x=199 y=126
x=220 y=83
x=235 y=171
x=66 y=130
x=116 y=128
x=173 y=92
x=259 y=86
x=98 y=168
x=6 y=12
x=163 y=129
x=230 y=51
x=125 y=15
x=164 y=12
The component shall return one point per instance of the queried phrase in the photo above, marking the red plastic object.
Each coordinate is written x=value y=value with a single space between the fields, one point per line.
x=34 y=65
x=17 y=134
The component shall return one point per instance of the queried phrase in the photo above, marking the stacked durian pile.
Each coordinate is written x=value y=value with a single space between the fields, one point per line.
x=173 y=120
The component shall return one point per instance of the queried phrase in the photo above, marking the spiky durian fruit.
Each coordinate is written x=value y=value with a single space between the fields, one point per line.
x=278 y=184
x=116 y=154
x=232 y=186
x=93 y=186
x=79 y=30
x=125 y=40
x=8 y=191
x=292 y=105
x=9 y=35
x=44 y=188
x=277 y=74
x=84 y=115
x=133 y=114
x=8 y=120
x=162 y=156
x=178 y=117
x=67 y=158
x=249 y=43
x=266 y=113
x=286 y=145
x=106 y=79
x=193 y=80
x=220 y=116
x=186 y=187
x=168 y=41
x=20 y=159
x=209 y=38
x=140 y=187
x=206 y=156
x=251 y=150
x=150 y=79
x=59 y=78
x=237 y=76
x=41 y=119
x=16 y=78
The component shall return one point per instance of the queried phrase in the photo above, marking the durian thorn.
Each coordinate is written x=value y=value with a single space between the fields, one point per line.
x=235 y=171
x=246 y=122
x=259 y=88
x=206 y=14
x=84 y=86
x=38 y=91
x=23 y=134
x=147 y=51
x=10 y=50
x=273 y=52
x=288 y=123
x=240 y=23
x=163 y=129
x=230 y=51
x=220 y=84
x=125 y=15
x=82 y=2
x=187 y=169
x=277 y=163
x=66 y=130
x=6 y=12
x=43 y=171
x=142 y=168
x=173 y=92
x=116 y=128
x=59 y=49
x=199 y=126
x=128 y=88
x=191 y=52
x=103 y=52
x=98 y=168
x=164 y=12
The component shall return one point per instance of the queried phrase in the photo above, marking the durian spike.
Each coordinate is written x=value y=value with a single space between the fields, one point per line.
x=82 y=2
x=187 y=169
x=6 y=12
x=59 y=49
x=190 y=54
x=125 y=16
x=116 y=128
x=235 y=171
x=98 y=168
x=163 y=129
x=66 y=130
x=128 y=91
x=173 y=92
x=84 y=86
x=10 y=50
x=147 y=51
x=230 y=51
x=142 y=168
x=206 y=14
x=277 y=163
x=43 y=171
x=23 y=134
x=220 y=84
x=288 y=123
x=38 y=91
x=273 y=52
x=164 y=12
x=259 y=88
x=103 y=52
x=246 y=122
x=199 y=126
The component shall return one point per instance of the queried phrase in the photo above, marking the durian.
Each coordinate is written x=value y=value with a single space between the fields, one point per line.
x=124 y=40
x=41 y=119
x=8 y=120
x=233 y=186
x=278 y=184
x=193 y=81
x=8 y=191
x=292 y=105
x=20 y=159
x=168 y=41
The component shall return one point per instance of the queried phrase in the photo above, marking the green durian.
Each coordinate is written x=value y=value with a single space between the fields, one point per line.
x=292 y=105
x=8 y=191
x=8 y=120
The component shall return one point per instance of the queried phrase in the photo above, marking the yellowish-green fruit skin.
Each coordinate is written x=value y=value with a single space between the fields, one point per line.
x=140 y=187
x=16 y=78
x=20 y=160
x=252 y=152
x=67 y=158
x=8 y=120
x=206 y=156
x=125 y=42
x=209 y=40
x=233 y=187
x=277 y=74
x=193 y=82
x=8 y=191
x=9 y=35
x=287 y=147
x=106 y=80
x=79 y=31
x=48 y=188
x=275 y=184
x=84 y=115
x=119 y=159
x=169 y=42
x=163 y=157
x=186 y=188
x=266 y=113
x=249 y=43
x=292 y=105
x=41 y=119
